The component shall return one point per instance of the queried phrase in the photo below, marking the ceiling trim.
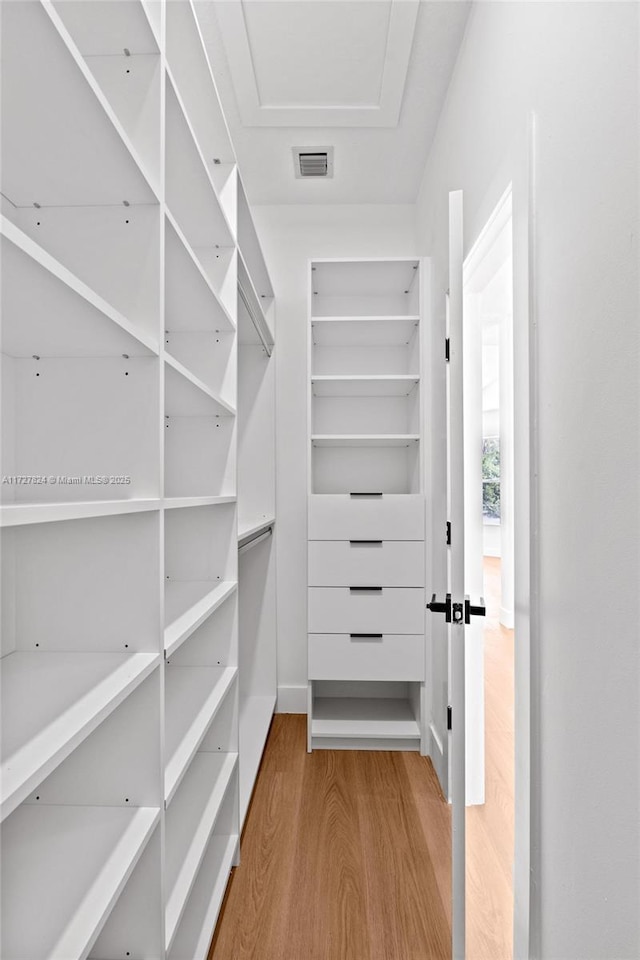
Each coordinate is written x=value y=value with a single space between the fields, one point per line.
x=384 y=113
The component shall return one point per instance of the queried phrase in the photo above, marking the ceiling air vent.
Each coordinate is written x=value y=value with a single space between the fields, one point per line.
x=313 y=162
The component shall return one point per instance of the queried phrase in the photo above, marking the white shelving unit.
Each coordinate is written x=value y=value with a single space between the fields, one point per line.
x=366 y=506
x=256 y=501
x=120 y=788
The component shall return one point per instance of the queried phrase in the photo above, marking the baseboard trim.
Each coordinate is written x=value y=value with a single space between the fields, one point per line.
x=292 y=699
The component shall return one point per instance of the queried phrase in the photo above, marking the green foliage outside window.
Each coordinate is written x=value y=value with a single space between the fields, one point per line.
x=491 y=478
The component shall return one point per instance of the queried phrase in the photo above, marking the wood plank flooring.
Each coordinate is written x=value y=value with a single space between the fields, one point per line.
x=346 y=855
x=337 y=858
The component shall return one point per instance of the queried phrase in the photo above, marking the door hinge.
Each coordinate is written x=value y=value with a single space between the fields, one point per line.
x=448 y=533
x=449 y=715
x=447 y=349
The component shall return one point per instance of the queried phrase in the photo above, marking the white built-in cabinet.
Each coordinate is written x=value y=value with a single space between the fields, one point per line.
x=366 y=517
x=133 y=719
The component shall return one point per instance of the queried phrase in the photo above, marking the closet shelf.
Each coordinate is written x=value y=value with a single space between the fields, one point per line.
x=174 y=503
x=188 y=396
x=52 y=701
x=193 y=936
x=191 y=819
x=73 y=149
x=189 y=603
x=193 y=697
x=248 y=530
x=68 y=865
x=192 y=302
x=253 y=314
x=49 y=312
x=365 y=440
x=17 y=514
x=363 y=331
x=364 y=386
x=203 y=226
x=256 y=713
x=374 y=718
x=249 y=246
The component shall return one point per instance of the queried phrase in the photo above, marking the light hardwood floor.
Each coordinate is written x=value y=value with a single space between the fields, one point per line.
x=490 y=826
x=346 y=854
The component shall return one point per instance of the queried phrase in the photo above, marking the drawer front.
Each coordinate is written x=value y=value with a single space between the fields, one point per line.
x=339 y=656
x=383 y=563
x=387 y=610
x=389 y=517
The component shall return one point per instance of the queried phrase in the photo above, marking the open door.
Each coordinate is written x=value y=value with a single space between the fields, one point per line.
x=458 y=609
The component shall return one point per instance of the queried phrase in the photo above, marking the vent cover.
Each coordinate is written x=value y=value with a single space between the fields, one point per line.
x=313 y=162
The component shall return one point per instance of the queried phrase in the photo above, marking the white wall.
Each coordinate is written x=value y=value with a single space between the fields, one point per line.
x=290 y=235
x=576 y=66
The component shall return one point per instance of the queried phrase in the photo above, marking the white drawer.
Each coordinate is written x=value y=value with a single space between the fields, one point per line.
x=386 y=517
x=383 y=563
x=343 y=656
x=386 y=610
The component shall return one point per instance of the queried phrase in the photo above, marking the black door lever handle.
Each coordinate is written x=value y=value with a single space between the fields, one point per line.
x=437 y=606
x=472 y=610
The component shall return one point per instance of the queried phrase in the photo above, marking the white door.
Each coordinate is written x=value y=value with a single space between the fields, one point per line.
x=458 y=610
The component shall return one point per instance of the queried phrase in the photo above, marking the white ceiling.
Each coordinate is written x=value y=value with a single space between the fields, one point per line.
x=366 y=76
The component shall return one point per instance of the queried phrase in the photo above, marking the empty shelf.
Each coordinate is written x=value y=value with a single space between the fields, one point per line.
x=253 y=313
x=360 y=331
x=48 y=311
x=363 y=717
x=63 y=869
x=255 y=719
x=188 y=396
x=191 y=819
x=193 y=937
x=17 y=514
x=188 y=604
x=365 y=440
x=174 y=503
x=193 y=697
x=249 y=530
x=364 y=386
x=51 y=702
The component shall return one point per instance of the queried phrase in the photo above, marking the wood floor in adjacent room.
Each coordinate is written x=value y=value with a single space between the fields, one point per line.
x=346 y=854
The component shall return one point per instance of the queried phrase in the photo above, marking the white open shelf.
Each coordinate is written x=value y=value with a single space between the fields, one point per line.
x=364 y=440
x=48 y=311
x=191 y=300
x=190 y=192
x=256 y=713
x=193 y=697
x=193 y=936
x=358 y=331
x=365 y=717
x=384 y=385
x=191 y=818
x=181 y=503
x=73 y=150
x=253 y=528
x=63 y=868
x=20 y=514
x=188 y=396
x=187 y=606
x=51 y=701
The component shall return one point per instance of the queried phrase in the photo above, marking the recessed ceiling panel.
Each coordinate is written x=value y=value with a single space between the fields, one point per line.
x=318 y=63
x=319 y=53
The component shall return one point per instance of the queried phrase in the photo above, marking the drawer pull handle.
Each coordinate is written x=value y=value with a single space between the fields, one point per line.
x=365 y=589
x=365 y=543
x=366 y=636
x=364 y=494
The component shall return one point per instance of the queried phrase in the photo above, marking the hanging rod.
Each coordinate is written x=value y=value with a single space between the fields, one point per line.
x=254 y=320
x=256 y=538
